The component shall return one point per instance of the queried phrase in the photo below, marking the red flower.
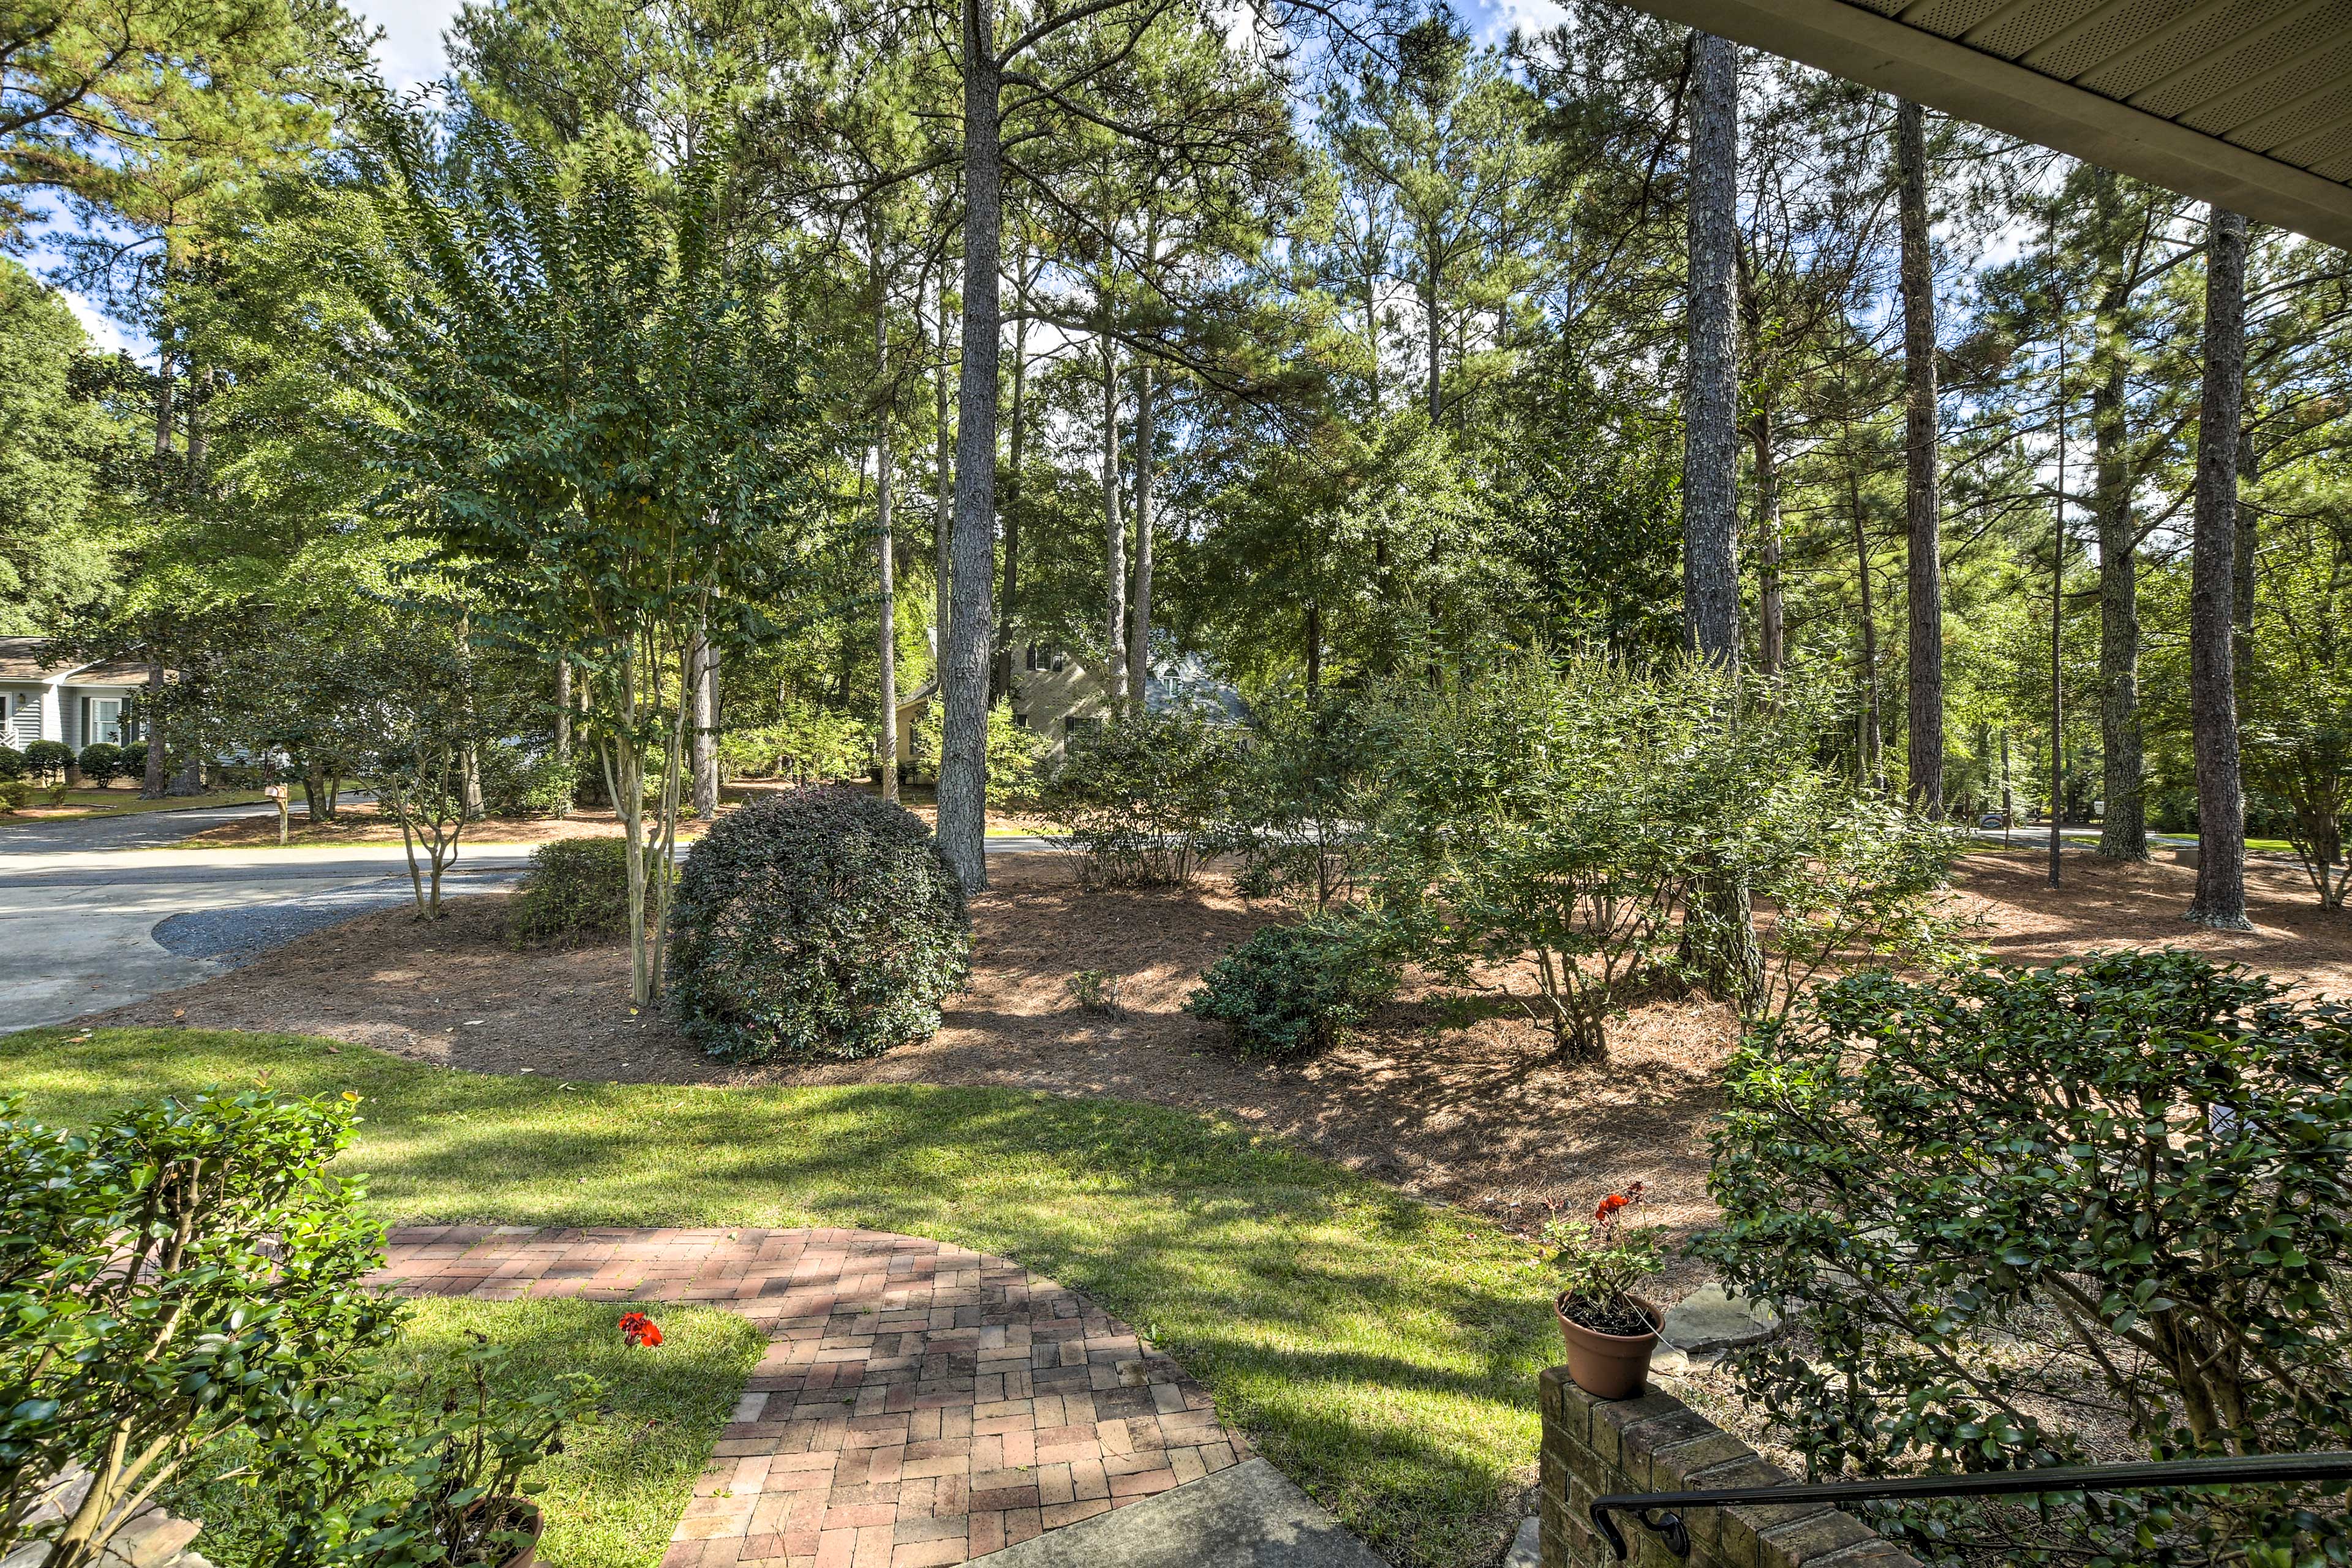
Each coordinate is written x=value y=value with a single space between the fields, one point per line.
x=1607 y=1213
x=639 y=1330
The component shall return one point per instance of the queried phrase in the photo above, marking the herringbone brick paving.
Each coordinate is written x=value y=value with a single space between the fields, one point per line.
x=918 y=1403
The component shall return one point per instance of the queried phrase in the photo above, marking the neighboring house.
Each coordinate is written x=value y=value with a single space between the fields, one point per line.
x=1056 y=696
x=45 y=698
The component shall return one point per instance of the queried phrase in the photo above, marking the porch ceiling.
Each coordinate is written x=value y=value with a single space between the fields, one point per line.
x=2243 y=102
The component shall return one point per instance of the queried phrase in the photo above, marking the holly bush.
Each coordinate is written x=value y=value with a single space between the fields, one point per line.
x=818 y=922
x=2003 y=1206
x=576 y=890
x=188 y=1274
x=1291 y=991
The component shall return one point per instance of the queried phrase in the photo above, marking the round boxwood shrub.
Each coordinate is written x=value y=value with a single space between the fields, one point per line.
x=1291 y=991
x=11 y=763
x=818 y=922
x=47 y=759
x=577 y=889
x=101 y=762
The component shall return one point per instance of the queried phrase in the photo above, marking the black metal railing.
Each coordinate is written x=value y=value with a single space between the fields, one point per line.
x=1660 y=1511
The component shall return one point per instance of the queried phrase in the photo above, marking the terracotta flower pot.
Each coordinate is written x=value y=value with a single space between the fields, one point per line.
x=1610 y=1367
x=519 y=1513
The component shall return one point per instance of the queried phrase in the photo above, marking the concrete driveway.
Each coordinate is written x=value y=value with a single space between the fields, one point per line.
x=92 y=917
x=79 y=924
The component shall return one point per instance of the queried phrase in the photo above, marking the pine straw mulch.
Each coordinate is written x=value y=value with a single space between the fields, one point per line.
x=1453 y=1097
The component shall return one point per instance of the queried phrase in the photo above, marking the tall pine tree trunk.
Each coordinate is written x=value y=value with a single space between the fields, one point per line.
x=1139 y=643
x=1115 y=673
x=1008 y=605
x=1771 y=596
x=963 y=763
x=563 y=710
x=943 y=494
x=1718 y=934
x=1710 y=435
x=2220 y=898
x=1923 y=503
x=886 y=576
x=2123 y=823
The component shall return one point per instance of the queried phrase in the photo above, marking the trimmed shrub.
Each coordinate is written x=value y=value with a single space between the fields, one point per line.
x=516 y=784
x=1291 y=991
x=13 y=793
x=1148 y=801
x=820 y=922
x=1997 y=1200
x=45 y=759
x=11 y=763
x=101 y=762
x=134 y=759
x=577 y=890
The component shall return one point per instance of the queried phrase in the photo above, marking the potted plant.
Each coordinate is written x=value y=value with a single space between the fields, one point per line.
x=470 y=1495
x=1608 y=1329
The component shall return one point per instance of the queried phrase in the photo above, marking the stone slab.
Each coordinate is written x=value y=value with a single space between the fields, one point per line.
x=1250 y=1516
x=1709 y=1318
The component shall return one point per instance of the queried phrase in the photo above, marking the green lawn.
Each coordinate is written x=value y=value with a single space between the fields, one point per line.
x=1381 y=1352
x=613 y=1495
x=122 y=802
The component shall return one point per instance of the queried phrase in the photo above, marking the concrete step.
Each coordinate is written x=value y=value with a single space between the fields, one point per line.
x=1249 y=1516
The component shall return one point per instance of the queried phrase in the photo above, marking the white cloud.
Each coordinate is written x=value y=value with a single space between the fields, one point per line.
x=106 y=333
x=410 y=50
x=1491 y=21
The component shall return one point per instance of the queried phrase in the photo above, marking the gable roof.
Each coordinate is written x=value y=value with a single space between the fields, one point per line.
x=28 y=659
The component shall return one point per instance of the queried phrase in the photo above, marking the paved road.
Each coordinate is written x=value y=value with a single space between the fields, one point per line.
x=91 y=917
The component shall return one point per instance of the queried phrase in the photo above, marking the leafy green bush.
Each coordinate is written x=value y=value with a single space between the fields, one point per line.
x=517 y=784
x=47 y=759
x=1993 y=1200
x=11 y=763
x=820 y=923
x=101 y=762
x=1291 y=991
x=1300 y=798
x=1614 y=822
x=577 y=889
x=1015 y=759
x=134 y=759
x=1148 y=801
x=804 y=742
x=13 y=794
x=188 y=1273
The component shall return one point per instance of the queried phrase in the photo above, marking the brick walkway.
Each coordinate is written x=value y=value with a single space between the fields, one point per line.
x=918 y=1403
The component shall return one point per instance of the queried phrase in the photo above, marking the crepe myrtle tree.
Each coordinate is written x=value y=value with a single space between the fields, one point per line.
x=598 y=416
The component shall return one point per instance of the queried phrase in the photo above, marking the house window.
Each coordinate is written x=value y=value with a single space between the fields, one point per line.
x=1057 y=661
x=1031 y=661
x=1021 y=715
x=103 y=719
x=1074 y=727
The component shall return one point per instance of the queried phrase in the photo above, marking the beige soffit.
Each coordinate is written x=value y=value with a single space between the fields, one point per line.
x=2243 y=102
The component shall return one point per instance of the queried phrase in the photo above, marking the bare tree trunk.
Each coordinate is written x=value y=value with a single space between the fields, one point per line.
x=2220 y=898
x=703 y=715
x=886 y=572
x=1313 y=650
x=2248 y=545
x=1139 y=644
x=2123 y=823
x=1115 y=674
x=2057 y=633
x=963 y=762
x=563 y=709
x=1871 y=742
x=1008 y=604
x=150 y=787
x=1772 y=614
x=1710 y=434
x=943 y=494
x=1923 y=503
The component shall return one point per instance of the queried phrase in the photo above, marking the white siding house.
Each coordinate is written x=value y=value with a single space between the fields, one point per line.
x=46 y=698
